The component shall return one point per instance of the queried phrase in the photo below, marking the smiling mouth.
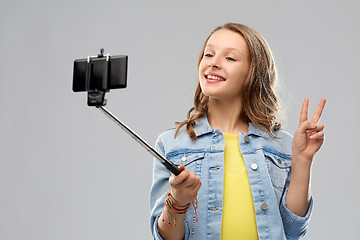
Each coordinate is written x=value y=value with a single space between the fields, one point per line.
x=212 y=77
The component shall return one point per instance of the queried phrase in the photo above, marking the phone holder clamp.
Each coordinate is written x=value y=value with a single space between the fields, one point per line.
x=97 y=97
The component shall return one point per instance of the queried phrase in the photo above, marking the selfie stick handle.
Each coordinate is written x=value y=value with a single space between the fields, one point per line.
x=169 y=165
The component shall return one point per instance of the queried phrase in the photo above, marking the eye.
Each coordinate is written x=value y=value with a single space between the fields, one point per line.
x=230 y=59
x=208 y=55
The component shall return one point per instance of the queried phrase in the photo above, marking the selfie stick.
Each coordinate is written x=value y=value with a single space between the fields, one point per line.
x=96 y=98
x=169 y=165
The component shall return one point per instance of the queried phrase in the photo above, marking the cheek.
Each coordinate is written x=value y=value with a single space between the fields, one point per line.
x=242 y=75
x=201 y=78
x=201 y=70
x=202 y=67
x=201 y=82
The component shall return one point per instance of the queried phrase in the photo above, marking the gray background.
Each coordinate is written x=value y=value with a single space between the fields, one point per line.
x=67 y=172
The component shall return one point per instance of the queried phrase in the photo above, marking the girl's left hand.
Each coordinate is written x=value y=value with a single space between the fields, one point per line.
x=309 y=136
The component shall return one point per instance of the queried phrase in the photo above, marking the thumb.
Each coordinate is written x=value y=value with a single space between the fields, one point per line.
x=176 y=180
x=305 y=125
x=182 y=167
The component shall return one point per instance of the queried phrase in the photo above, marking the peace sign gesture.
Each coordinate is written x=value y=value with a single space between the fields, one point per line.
x=309 y=136
x=308 y=139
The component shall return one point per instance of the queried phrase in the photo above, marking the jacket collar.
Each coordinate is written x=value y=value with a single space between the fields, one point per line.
x=202 y=127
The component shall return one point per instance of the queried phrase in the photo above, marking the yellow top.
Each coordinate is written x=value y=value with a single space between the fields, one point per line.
x=238 y=221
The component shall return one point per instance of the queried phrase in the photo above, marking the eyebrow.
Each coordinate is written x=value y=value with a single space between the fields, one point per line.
x=228 y=48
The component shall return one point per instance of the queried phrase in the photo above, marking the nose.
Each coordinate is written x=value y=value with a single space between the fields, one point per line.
x=214 y=63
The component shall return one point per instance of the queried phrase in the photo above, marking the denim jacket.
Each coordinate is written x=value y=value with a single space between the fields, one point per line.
x=268 y=162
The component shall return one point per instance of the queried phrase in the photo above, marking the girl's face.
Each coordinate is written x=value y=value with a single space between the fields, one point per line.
x=224 y=66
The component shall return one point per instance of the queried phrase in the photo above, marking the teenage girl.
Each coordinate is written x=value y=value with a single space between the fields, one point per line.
x=243 y=177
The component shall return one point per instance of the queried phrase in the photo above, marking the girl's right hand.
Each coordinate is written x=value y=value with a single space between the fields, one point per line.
x=184 y=187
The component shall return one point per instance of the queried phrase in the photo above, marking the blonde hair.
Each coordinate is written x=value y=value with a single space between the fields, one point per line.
x=259 y=100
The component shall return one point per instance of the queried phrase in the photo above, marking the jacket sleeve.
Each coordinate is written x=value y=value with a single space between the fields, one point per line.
x=295 y=226
x=158 y=192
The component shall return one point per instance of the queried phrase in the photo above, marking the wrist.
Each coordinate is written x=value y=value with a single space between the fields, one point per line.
x=300 y=162
x=175 y=203
x=176 y=199
x=173 y=209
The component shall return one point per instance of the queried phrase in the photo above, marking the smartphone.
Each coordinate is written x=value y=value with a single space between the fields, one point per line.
x=100 y=74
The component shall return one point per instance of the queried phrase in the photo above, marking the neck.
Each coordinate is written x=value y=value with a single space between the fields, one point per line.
x=226 y=115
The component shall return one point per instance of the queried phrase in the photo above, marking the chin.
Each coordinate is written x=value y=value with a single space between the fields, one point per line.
x=212 y=94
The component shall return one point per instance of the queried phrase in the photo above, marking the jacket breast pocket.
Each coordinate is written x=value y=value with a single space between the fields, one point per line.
x=279 y=168
x=191 y=160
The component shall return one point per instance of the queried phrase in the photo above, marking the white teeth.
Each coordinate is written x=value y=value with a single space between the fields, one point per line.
x=215 y=78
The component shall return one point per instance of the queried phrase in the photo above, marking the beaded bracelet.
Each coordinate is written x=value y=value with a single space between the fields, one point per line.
x=173 y=208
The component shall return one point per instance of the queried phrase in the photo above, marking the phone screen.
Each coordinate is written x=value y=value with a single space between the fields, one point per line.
x=117 y=73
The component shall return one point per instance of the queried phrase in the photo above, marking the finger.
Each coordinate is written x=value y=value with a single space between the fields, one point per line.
x=317 y=136
x=304 y=111
x=306 y=127
x=191 y=181
x=176 y=180
x=318 y=111
x=196 y=183
x=197 y=187
x=317 y=128
x=320 y=126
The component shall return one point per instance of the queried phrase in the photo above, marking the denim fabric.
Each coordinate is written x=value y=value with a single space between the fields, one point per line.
x=268 y=162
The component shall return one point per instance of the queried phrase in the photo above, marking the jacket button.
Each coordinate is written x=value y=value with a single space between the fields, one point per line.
x=183 y=158
x=264 y=206
x=254 y=166
x=279 y=161
x=247 y=138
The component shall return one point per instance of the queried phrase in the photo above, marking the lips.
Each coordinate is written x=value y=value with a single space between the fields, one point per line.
x=214 y=77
